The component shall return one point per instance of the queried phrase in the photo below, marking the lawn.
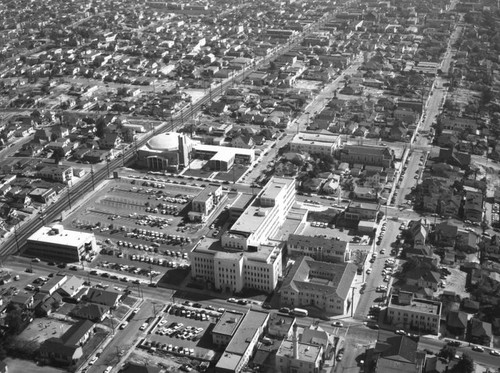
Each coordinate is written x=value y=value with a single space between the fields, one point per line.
x=233 y=174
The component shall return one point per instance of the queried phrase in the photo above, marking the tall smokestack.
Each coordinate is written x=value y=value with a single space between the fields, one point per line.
x=295 y=342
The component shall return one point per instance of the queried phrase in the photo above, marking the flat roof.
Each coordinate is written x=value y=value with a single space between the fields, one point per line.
x=264 y=253
x=306 y=352
x=207 y=192
x=58 y=235
x=251 y=219
x=228 y=323
x=253 y=321
x=276 y=186
x=417 y=305
x=312 y=138
x=242 y=201
x=216 y=149
x=228 y=362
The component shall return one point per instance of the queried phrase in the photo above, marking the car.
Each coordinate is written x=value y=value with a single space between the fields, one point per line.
x=477 y=348
x=266 y=306
x=454 y=343
x=232 y=300
x=382 y=251
x=368 y=271
x=108 y=369
x=400 y=332
x=284 y=310
x=124 y=325
x=337 y=323
x=495 y=352
x=243 y=302
x=340 y=356
x=93 y=360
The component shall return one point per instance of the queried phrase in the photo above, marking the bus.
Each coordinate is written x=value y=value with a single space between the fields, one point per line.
x=300 y=312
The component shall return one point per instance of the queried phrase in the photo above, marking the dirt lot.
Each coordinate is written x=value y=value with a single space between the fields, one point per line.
x=44 y=328
x=26 y=366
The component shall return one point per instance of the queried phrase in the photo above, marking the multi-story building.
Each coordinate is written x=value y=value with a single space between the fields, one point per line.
x=226 y=327
x=60 y=245
x=320 y=284
x=324 y=249
x=242 y=345
x=315 y=143
x=204 y=203
x=264 y=217
x=231 y=270
x=362 y=211
x=62 y=174
x=407 y=312
x=367 y=155
x=295 y=356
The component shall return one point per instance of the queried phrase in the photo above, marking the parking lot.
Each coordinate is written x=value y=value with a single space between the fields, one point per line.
x=141 y=225
x=182 y=331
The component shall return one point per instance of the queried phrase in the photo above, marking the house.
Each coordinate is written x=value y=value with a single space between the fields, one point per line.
x=396 y=354
x=104 y=297
x=456 y=323
x=365 y=193
x=71 y=287
x=454 y=158
x=470 y=306
x=419 y=232
x=357 y=211
x=423 y=278
x=479 y=332
x=445 y=234
x=243 y=141
x=91 y=311
x=24 y=301
x=110 y=140
x=44 y=306
x=67 y=349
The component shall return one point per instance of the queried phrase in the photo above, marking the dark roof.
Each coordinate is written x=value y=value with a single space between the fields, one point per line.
x=137 y=368
x=76 y=332
x=108 y=298
x=479 y=328
x=426 y=275
x=399 y=348
x=457 y=319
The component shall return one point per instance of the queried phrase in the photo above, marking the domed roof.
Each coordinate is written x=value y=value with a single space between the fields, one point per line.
x=164 y=141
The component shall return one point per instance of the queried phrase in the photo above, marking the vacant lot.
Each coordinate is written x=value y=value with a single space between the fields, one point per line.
x=42 y=329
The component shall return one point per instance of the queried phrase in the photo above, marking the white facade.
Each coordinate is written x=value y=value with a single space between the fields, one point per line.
x=315 y=143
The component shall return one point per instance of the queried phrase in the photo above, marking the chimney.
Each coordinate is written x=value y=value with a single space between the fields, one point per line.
x=295 y=342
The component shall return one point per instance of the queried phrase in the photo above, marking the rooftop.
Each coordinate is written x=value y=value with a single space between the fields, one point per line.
x=264 y=253
x=207 y=192
x=228 y=323
x=416 y=305
x=306 y=352
x=276 y=186
x=253 y=321
x=57 y=235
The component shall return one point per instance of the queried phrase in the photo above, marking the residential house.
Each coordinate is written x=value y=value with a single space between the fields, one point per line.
x=104 y=297
x=91 y=311
x=445 y=234
x=357 y=211
x=419 y=232
x=479 y=332
x=454 y=158
x=456 y=323
x=396 y=354
x=365 y=193
x=110 y=140
x=67 y=349
x=423 y=278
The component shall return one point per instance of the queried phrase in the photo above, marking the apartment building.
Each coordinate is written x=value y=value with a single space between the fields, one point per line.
x=367 y=155
x=326 y=249
x=409 y=313
x=320 y=284
x=264 y=217
x=324 y=143
x=362 y=211
x=62 y=174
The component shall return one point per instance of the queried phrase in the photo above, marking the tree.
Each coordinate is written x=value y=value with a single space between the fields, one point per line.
x=464 y=365
x=14 y=320
x=448 y=352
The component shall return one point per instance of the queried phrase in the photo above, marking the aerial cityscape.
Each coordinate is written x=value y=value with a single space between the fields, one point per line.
x=237 y=186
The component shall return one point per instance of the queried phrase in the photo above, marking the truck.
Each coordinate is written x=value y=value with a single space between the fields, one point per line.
x=300 y=312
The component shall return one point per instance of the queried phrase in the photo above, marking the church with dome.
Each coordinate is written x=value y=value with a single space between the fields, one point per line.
x=165 y=152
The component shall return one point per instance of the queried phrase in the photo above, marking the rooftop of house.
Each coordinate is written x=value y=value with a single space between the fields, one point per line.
x=306 y=352
x=415 y=304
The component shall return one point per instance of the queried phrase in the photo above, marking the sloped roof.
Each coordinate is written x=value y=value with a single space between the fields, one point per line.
x=399 y=348
x=456 y=319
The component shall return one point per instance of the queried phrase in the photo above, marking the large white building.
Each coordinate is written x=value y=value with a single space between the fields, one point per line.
x=231 y=270
x=315 y=143
x=319 y=284
x=264 y=217
x=60 y=245
x=326 y=249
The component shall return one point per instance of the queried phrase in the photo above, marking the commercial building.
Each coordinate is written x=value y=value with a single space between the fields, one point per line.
x=226 y=327
x=222 y=157
x=320 y=284
x=367 y=155
x=326 y=249
x=166 y=151
x=263 y=218
x=232 y=270
x=242 y=345
x=362 y=211
x=298 y=357
x=324 y=143
x=407 y=312
x=204 y=203
x=60 y=245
